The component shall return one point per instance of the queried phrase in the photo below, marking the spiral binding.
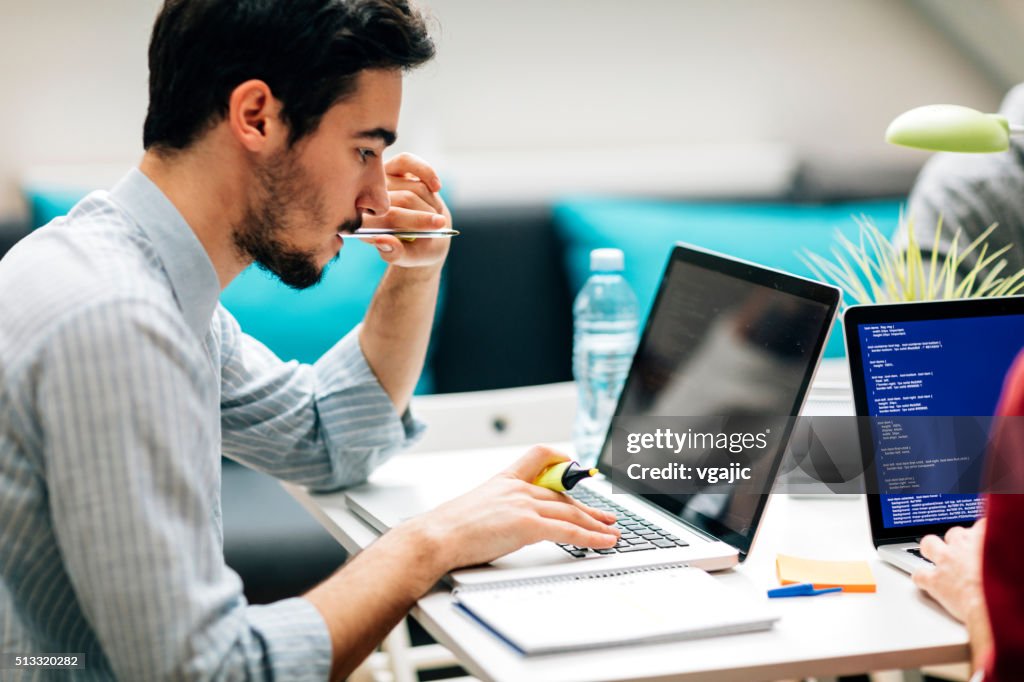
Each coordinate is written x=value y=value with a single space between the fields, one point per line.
x=569 y=577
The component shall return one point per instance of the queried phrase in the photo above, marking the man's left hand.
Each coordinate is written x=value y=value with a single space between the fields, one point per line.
x=413 y=188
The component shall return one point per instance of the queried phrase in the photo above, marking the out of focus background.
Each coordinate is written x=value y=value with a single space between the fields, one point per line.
x=753 y=128
x=530 y=99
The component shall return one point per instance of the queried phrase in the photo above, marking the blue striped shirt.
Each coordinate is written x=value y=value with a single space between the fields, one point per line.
x=122 y=381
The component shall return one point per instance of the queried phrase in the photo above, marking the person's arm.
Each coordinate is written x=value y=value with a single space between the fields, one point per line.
x=330 y=424
x=365 y=599
x=396 y=329
x=1003 y=553
x=132 y=461
x=324 y=426
x=977 y=572
x=1002 y=584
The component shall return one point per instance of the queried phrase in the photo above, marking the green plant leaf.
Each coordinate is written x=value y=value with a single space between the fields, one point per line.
x=949 y=267
x=930 y=294
x=991 y=279
x=963 y=290
x=825 y=271
x=863 y=260
x=873 y=270
x=1009 y=286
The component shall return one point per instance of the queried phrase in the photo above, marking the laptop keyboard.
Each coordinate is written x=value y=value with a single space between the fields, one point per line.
x=638 y=534
x=916 y=552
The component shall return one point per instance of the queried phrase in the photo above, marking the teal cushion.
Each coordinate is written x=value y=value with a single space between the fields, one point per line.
x=771 y=234
x=48 y=202
x=303 y=325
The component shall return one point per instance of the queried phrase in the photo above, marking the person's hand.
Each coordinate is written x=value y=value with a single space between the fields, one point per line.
x=413 y=188
x=955 y=580
x=508 y=512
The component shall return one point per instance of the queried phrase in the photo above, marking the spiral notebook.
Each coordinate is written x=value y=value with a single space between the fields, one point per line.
x=633 y=606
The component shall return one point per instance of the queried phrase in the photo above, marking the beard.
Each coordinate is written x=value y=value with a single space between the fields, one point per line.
x=283 y=192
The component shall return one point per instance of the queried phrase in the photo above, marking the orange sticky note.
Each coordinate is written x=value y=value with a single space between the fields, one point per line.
x=852 y=576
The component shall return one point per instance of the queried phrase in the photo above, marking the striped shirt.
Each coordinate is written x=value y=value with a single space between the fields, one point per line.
x=122 y=381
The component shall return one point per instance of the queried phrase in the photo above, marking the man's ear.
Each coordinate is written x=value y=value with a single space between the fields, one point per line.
x=254 y=117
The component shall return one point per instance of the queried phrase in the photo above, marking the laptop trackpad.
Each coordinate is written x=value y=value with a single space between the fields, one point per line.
x=538 y=554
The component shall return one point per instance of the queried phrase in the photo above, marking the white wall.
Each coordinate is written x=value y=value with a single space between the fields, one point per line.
x=73 y=77
x=529 y=96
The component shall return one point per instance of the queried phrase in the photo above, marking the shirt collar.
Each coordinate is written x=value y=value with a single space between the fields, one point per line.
x=193 y=279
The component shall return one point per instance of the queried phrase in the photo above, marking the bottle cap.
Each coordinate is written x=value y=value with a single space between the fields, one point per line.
x=606 y=260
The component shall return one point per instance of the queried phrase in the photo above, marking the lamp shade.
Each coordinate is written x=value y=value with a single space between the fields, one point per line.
x=950 y=128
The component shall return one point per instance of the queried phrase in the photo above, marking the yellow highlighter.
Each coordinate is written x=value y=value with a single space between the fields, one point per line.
x=562 y=476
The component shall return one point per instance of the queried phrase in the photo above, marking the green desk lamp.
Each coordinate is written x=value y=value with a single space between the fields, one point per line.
x=952 y=128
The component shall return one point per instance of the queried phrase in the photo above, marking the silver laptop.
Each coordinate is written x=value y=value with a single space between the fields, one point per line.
x=723 y=337
x=933 y=366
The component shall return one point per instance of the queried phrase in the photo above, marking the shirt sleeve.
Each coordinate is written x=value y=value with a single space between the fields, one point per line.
x=325 y=425
x=133 y=473
x=1002 y=551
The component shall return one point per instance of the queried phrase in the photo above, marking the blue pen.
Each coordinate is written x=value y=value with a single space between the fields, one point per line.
x=800 y=590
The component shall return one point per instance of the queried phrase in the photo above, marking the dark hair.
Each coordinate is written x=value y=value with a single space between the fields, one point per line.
x=309 y=52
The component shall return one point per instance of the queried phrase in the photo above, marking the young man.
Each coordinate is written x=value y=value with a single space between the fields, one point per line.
x=122 y=380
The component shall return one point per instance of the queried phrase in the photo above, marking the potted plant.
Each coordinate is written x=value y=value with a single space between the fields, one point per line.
x=874 y=270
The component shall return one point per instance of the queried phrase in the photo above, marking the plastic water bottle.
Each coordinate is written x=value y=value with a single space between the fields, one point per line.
x=605 y=319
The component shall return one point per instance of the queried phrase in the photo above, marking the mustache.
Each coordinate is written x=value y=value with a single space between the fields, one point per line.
x=351 y=225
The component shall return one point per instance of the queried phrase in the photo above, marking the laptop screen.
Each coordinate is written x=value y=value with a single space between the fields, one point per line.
x=724 y=338
x=940 y=368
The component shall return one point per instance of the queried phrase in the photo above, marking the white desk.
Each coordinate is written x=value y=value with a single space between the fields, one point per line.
x=894 y=628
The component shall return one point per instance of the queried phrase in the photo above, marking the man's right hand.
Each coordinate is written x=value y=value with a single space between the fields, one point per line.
x=363 y=601
x=508 y=512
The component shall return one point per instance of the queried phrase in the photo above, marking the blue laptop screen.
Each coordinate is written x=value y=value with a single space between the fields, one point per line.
x=951 y=367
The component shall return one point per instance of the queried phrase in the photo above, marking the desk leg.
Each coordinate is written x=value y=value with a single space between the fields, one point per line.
x=398 y=645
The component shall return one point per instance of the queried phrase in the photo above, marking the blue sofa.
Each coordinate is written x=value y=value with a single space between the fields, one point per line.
x=773 y=234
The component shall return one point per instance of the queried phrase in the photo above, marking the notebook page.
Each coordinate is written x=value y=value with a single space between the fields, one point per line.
x=586 y=612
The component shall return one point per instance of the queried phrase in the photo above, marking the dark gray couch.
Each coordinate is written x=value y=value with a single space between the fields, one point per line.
x=10 y=232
